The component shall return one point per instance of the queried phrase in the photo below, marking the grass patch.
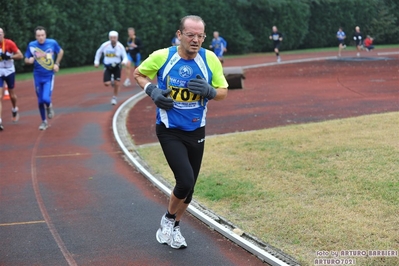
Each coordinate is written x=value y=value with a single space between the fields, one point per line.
x=328 y=186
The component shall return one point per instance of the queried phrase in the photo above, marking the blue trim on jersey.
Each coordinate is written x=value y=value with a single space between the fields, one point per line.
x=186 y=115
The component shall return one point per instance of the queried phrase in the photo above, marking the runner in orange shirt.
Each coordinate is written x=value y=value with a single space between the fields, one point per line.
x=8 y=52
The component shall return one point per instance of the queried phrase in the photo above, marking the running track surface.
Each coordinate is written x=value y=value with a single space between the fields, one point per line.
x=67 y=196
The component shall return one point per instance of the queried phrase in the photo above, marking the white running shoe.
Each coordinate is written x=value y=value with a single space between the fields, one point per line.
x=127 y=83
x=50 y=111
x=113 y=100
x=358 y=54
x=43 y=125
x=278 y=59
x=178 y=241
x=164 y=233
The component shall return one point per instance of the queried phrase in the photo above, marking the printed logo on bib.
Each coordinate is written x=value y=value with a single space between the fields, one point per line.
x=110 y=53
x=183 y=98
x=185 y=71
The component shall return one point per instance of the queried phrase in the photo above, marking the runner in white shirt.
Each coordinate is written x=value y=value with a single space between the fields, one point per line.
x=114 y=55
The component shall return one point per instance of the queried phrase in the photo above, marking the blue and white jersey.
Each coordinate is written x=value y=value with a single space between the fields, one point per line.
x=341 y=35
x=44 y=55
x=173 y=72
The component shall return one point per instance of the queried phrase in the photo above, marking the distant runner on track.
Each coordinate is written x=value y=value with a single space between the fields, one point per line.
x=277 y=38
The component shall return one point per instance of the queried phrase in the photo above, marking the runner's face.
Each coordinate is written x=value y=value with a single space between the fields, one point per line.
x=131 y=34
x=113 y=39
x=192 y=37
x=41 y=36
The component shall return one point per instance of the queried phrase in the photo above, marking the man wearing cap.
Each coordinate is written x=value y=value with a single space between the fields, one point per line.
x=114 y=55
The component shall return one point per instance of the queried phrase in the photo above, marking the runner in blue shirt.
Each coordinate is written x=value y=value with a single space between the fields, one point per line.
x=341 y=40
x=219 y=45
x=45 y=55
x=188 y=77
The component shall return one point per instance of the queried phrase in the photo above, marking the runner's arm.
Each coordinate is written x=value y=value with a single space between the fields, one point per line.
x=60 y=55
x=98 y=55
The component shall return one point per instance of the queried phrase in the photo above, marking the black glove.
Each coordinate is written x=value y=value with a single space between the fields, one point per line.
x=160 y=97
x=201 y=87
x=4 y=56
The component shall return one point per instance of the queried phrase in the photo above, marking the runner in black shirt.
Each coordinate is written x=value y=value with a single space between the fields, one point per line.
x=277 y=38
x=358 y=38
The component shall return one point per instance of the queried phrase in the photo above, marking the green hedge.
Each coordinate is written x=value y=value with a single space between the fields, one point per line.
x=81 y=26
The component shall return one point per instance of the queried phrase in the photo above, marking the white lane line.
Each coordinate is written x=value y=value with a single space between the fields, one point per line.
x=387 y=53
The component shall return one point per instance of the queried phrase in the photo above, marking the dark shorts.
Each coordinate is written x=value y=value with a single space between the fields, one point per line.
x=276 y=45
x=110 y=70
x=358 y=43
x=341 y=42
x=10 y=80
x=183 y=151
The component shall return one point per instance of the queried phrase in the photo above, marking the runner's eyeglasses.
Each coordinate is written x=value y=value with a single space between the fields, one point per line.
x=192 y=35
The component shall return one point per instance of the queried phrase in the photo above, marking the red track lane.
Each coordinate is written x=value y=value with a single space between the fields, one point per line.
x=68 y=197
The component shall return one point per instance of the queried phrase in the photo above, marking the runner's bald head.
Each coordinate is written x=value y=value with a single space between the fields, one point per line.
x=190 y=17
